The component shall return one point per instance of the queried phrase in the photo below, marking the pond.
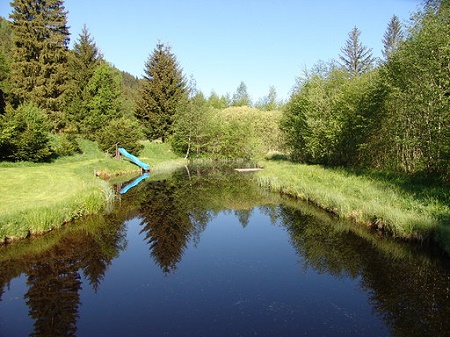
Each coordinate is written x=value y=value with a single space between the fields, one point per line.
x=205 y=252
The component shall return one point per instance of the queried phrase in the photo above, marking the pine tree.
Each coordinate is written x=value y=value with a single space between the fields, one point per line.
x=393 y=37
x=161 y=91
x=38 y=70
x=355 y=57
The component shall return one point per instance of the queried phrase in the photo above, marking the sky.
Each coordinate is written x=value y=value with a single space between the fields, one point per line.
x=221 y=43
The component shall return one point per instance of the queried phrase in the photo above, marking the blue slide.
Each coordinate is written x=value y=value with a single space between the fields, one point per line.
x=134 y=159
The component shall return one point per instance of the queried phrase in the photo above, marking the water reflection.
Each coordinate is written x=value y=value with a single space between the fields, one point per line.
x=409 y=291
x=408 y=286
x=53 y=265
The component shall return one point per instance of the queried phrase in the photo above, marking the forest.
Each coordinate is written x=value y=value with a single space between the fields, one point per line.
x=358 y=111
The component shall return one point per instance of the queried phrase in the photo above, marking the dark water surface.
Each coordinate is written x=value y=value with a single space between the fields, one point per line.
x=206 y=253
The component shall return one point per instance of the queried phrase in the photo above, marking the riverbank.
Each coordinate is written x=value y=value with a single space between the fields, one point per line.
x=391 y=206
x=37 y=198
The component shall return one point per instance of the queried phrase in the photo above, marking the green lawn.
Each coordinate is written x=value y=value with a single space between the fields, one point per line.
x=36 y=198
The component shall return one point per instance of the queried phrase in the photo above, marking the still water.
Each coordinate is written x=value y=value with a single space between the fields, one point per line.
x=207 y=253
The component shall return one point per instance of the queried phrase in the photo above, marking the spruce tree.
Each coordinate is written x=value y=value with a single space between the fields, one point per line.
x=393 y=37
x=355 y=57
x=82 y=62
x=162 y=89
x=38 y=70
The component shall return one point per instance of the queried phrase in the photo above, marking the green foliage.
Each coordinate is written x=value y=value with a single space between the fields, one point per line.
x=241 y=96
x=38 y=70
x=331 y=117
x=103 y=99
x=232 y=133
x=121 y=132
x=5 y=61
x=82 y=62
x=191 y=126
x=217 y=102
x=269 y=102
x=63 y=145
x=416 y=126
x=162 y=89
x=24 y=135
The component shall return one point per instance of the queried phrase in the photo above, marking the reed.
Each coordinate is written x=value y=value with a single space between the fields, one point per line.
x=375 y=202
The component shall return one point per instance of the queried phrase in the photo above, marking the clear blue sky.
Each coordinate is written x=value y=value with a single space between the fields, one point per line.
x=221 y=43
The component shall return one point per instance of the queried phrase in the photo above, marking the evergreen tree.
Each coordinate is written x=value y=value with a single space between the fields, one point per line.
x=241 y=97
x=355 y=57
x=393 y=37
x=162 y=89
x=5 y=61
x=82 y=62
x=38 y=71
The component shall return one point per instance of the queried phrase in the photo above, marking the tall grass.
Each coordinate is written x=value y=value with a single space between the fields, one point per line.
x=363 y=199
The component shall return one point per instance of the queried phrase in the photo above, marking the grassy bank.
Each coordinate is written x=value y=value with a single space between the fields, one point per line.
x=37 y=198
x=379 y=203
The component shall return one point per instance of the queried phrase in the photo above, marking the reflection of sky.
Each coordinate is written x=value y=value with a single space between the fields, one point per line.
x=234 y=280
x=14 y=311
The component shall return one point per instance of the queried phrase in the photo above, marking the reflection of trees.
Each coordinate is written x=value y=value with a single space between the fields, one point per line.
x=53 y=297
x=54 y=278
x=178 y=209
x=410 y=293
x=166 y=224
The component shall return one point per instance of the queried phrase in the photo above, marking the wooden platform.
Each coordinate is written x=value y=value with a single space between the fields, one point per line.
x=248 y=169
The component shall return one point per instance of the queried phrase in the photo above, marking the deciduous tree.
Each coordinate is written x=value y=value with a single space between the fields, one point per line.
x=241 y=96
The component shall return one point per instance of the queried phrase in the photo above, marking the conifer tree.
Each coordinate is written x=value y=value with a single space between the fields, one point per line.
x=355 y=57
x=5 y=61
x=82 y=62
x=162 y=89
x=393 y=37
x=38 y=70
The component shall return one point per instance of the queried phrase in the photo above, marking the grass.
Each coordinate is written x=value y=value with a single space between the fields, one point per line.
x=365 y=199
x=37 y=198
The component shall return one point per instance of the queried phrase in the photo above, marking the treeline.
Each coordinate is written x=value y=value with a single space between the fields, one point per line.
x=391 y=114
x=50 y=94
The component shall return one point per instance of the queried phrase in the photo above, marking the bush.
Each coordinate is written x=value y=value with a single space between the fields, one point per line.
x=122 y=132
x=25 y=134
x=64 y=145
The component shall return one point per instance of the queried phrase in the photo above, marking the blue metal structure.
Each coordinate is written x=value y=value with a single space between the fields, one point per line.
x=134 y=159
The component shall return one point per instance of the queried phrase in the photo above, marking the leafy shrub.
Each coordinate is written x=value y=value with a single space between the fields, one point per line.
x=122 y=132
x=25 y=134
x=64 y=145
